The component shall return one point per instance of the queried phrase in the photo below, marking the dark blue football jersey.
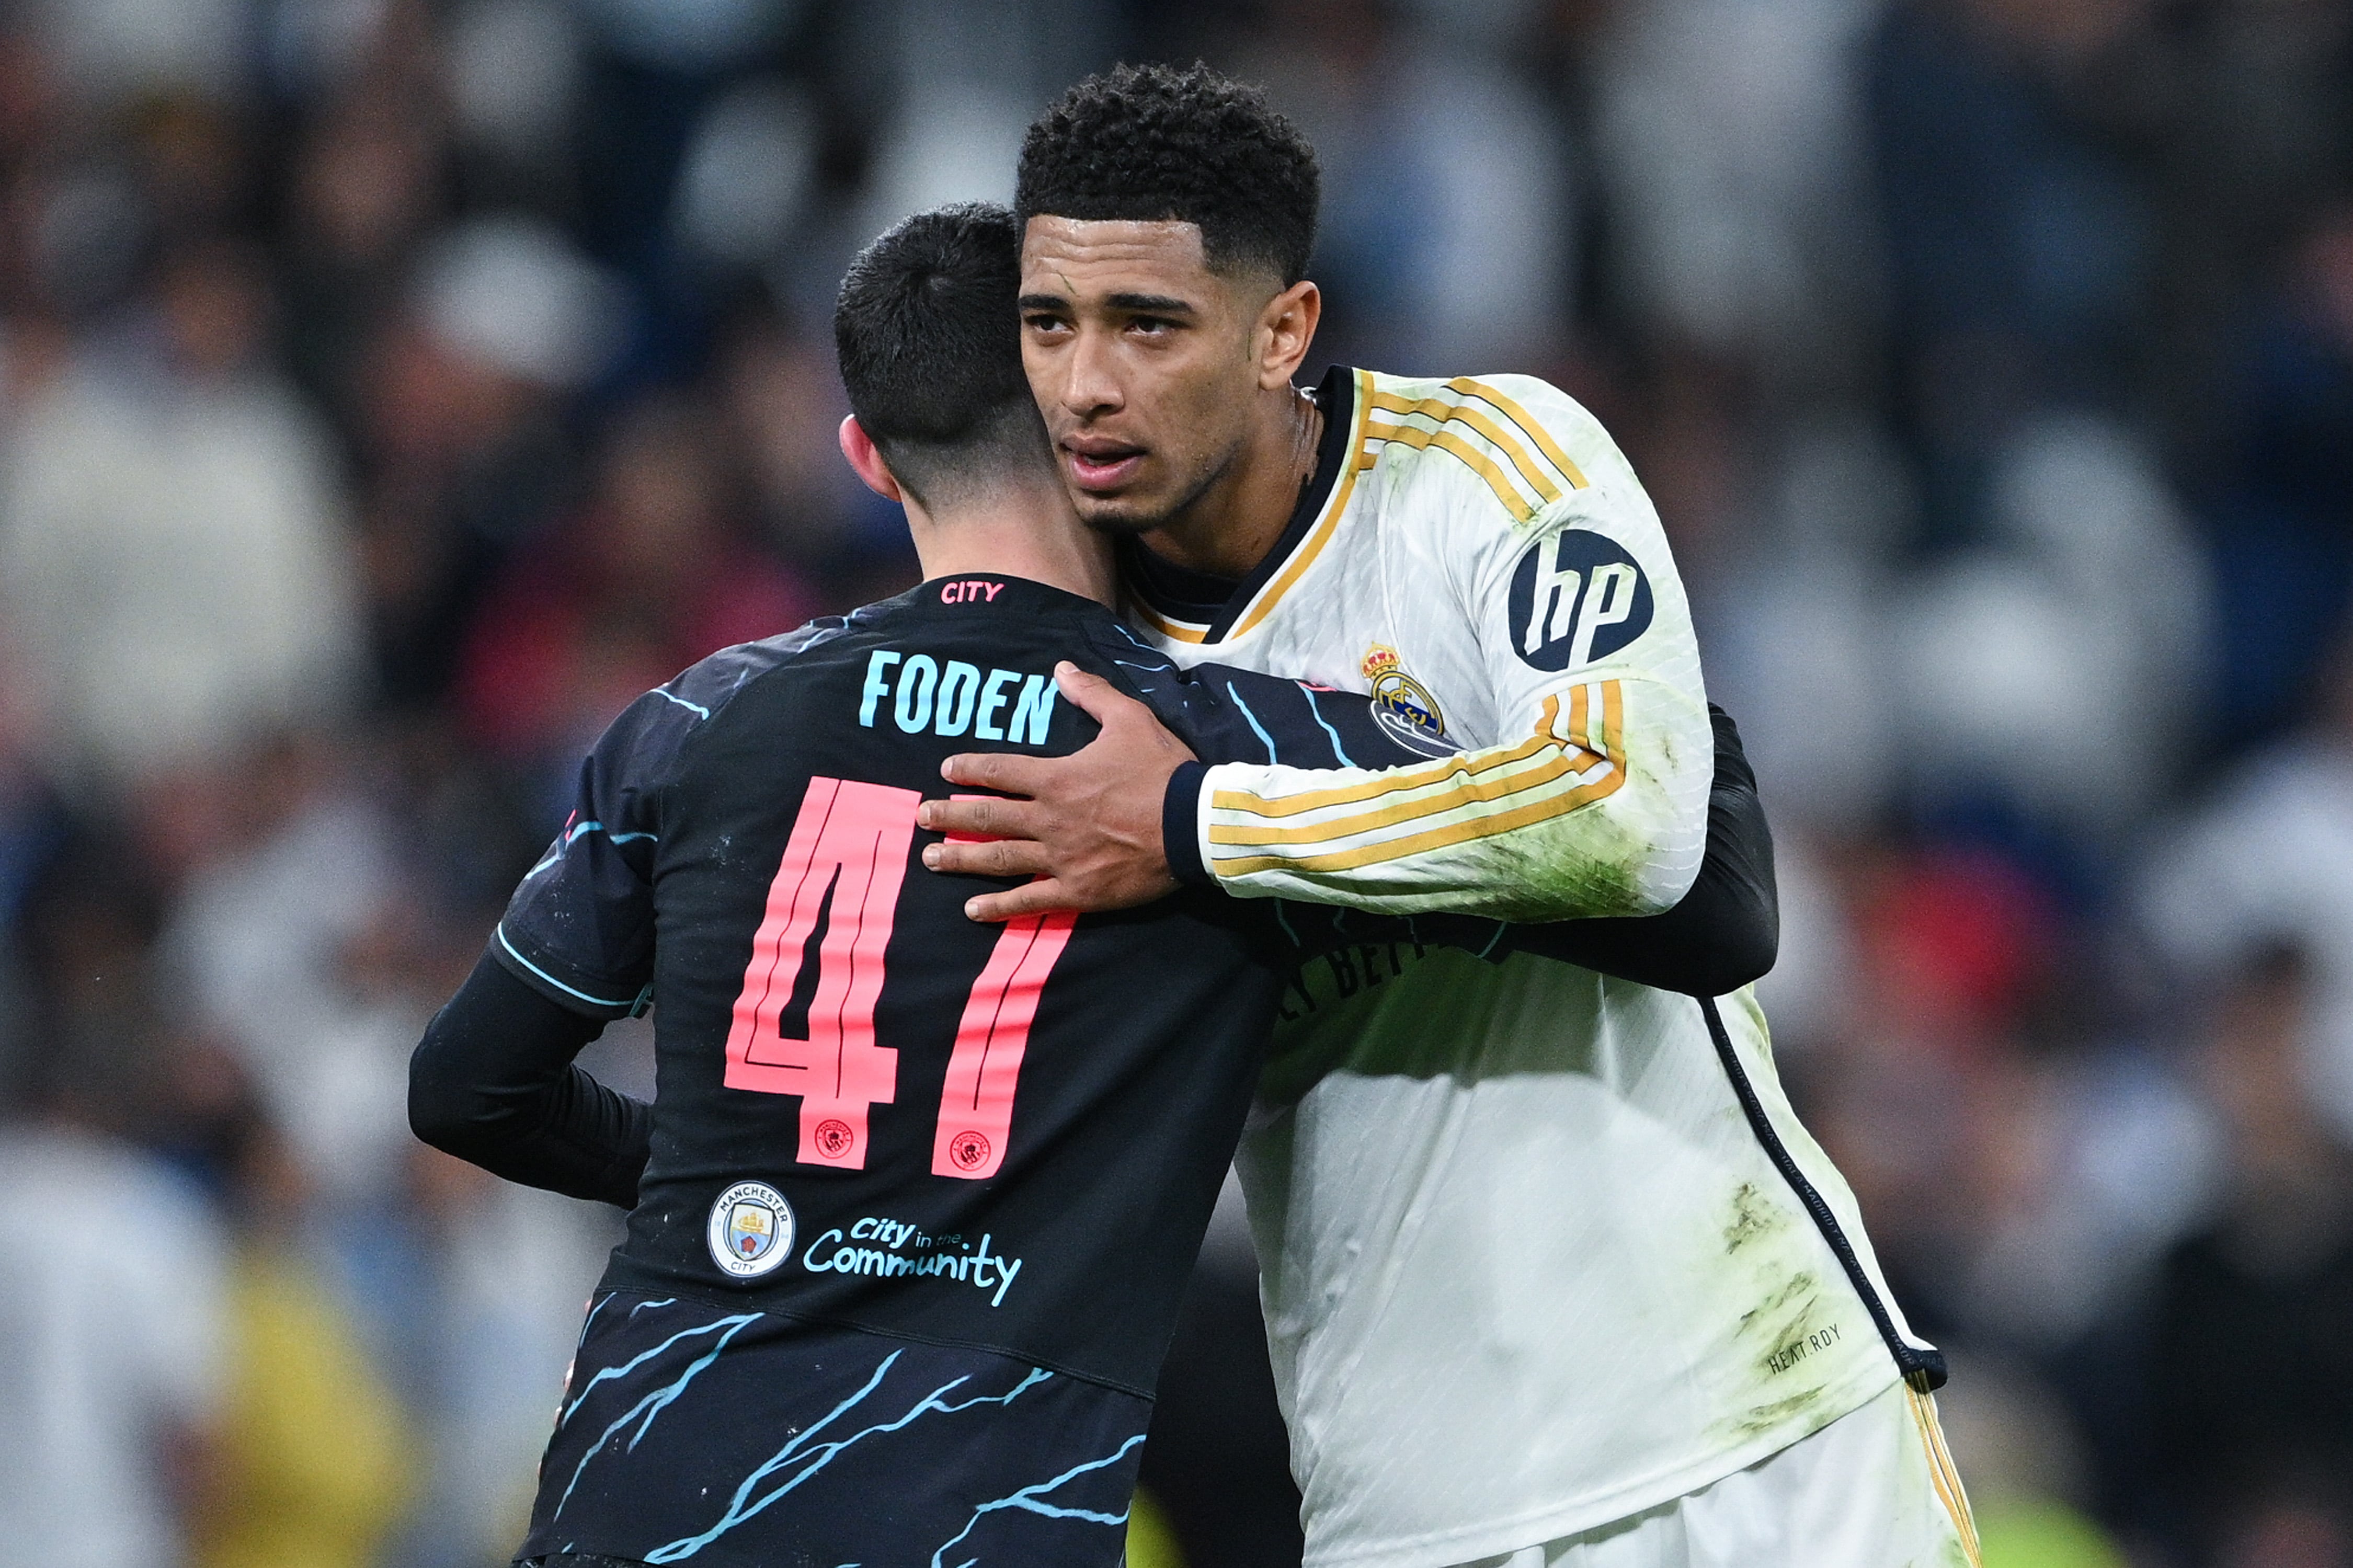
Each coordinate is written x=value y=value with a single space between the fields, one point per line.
x=879 y=1123
x=871 y=1110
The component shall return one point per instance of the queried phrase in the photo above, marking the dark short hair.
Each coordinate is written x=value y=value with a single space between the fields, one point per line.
x=1151 y=142
x=929 y=339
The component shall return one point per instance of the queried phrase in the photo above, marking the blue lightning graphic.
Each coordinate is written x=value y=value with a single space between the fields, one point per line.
x=1030 y=1499
x=571 y=836
x=742 y=1506
x=1338 y=750
x=1256 y=728
x=594 y=1308
x=653 y=1404
x=637 y=1360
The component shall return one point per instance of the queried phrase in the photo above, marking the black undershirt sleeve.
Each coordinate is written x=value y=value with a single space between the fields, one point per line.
x=493 y=1083
x=1725 y=934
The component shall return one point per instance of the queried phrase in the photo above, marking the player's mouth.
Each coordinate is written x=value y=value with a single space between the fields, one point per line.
x=1102 y=465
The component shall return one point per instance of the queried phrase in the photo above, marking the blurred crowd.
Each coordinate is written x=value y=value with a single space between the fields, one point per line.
x=391 y=389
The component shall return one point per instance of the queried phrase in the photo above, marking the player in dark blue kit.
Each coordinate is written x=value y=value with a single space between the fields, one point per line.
x=916 y=1198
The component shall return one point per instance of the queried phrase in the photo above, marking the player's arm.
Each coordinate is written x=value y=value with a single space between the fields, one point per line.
x=1722 y=935
x=493 y=1081
x=1725 y=934
x=1598 y=807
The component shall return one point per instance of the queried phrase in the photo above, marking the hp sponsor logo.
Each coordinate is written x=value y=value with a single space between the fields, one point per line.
x=1576 y=597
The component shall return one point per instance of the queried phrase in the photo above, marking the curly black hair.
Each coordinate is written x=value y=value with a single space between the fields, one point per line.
x=928 y=342
x=1154 y=142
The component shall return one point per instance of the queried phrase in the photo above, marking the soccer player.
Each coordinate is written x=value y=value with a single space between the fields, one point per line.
x=1552 y=1274
x=915 y=1201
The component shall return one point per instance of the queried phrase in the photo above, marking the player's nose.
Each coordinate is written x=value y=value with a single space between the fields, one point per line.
x=1091 y=384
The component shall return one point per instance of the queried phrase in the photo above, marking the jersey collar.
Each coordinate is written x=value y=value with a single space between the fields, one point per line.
x=1194 y=607
x=993 y=593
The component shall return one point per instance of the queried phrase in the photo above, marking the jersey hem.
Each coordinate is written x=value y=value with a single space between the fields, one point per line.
x=569 y=997
x=1472 y=1544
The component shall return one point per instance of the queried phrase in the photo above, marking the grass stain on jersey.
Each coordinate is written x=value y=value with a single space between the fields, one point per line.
x=1797 y=1285
x=1753 y=1217
x=1540 y=879
x=1759 y=1419
x=1790 y=1328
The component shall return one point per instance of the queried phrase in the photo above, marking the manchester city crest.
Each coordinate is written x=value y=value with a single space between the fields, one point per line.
x=751 y=1230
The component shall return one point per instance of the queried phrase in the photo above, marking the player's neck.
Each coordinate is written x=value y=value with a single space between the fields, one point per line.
x=1236 y=521
x=1016 y=533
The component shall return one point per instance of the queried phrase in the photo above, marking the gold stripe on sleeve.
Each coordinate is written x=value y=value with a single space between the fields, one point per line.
x=1445 y=412
x=1435 y=839
x=1597 y=773
x=1391 y=781
x=1526 y=424
x=1491 y=791
x=1477 y=460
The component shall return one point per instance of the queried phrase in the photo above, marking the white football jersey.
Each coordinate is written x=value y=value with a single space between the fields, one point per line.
x=1529 y=1263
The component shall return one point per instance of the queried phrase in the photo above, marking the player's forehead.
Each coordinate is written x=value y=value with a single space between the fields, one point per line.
x=1089 y=260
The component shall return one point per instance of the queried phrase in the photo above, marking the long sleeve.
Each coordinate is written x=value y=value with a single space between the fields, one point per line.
x=1724 y=934
x=493 y=1082
x=1727 y=931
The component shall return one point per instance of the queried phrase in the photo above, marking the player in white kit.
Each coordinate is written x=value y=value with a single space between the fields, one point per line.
x=1552 y=1274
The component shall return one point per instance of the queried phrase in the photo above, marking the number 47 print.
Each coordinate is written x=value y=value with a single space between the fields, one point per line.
x=852 y=839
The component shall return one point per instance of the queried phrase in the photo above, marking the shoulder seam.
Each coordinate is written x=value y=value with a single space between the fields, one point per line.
x=813 y=635
x=786 y=649
x=1488 y=432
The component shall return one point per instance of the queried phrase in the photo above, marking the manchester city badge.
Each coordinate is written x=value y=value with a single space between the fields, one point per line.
x=751 y=1230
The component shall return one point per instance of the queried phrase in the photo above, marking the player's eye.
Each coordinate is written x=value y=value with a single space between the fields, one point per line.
x=1151 y=326
x=1043 y=323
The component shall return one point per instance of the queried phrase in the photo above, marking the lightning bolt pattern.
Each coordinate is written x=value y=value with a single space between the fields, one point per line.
x=654 y=1403
x=1031 y=1499
x=798 y=1461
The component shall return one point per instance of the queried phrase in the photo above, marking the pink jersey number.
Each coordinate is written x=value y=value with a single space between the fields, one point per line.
x=852 y=840
x=977 y=1102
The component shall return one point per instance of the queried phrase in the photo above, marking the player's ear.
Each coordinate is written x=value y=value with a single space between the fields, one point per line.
x=1285 y=329
x=867 y=458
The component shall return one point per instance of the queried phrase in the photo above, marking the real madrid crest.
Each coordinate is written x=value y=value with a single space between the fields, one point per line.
x=1403 y=707
x=751 y=1230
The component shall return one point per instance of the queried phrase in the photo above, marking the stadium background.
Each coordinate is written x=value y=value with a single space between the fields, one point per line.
x=389 y=389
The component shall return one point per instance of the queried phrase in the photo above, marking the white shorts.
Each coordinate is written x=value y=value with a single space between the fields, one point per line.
x=1875 y=1488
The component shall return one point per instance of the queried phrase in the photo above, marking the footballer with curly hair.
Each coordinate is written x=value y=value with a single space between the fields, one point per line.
x=1551 y=1273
